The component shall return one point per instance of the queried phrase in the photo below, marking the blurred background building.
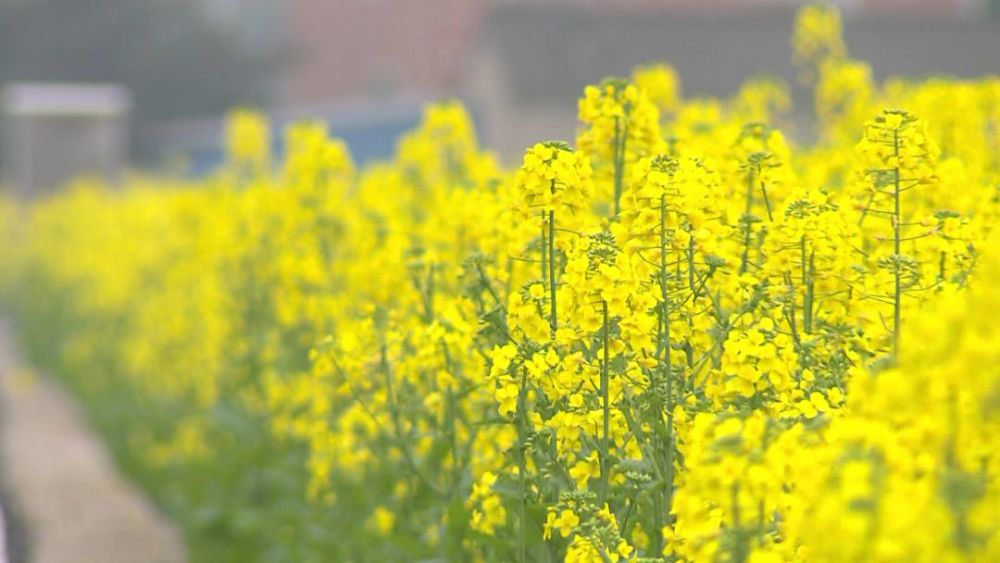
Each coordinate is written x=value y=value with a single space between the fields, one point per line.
x=53 y=132
x=367 y=66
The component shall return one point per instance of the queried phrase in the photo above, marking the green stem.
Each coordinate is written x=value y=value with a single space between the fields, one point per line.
x=429 y=300
x=619 y=161
x=690 y=261
x=790 y=317
x=864 y=210
x=741 y=547
x=402 y=442
x=554 y=319
x=522 y=464
x=545 y=260
x=767 y=202
x=605 y=441
x=808 y=283
x=668 y=372
x=897 y=248
x=745 y=259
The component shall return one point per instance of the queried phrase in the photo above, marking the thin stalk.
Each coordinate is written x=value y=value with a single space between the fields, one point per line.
x=522 y=464
x=554 y=319
x=741 y=547
x=808 y=283
x=690 y=260
x=545 y=260
x=605 y=441
x=767 y=202
x=668 y=371
x=658 y=525
x=897 y=248
x=398 y=426
x=450 y=427
x=619 y=161
x=790 y=314
x=866 y=208
x=664 y=295
x=745 y=259
x=429 y=301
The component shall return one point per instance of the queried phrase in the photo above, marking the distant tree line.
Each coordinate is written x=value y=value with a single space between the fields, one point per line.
x=176 y=62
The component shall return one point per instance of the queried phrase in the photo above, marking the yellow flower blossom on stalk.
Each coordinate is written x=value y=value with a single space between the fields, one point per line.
x=554 y=178
x=817 y=36
x=897 y=160
x=661 y=85
x=844 y=97
x=620 y=125
x=444 y=149
x=248 y=143
x=761 y=100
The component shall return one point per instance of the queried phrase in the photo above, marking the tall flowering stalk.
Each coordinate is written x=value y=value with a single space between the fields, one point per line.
x=554 y=182
x=899 y=158
x=621 y=125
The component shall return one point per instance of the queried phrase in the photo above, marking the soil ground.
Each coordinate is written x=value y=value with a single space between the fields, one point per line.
x=70 y=501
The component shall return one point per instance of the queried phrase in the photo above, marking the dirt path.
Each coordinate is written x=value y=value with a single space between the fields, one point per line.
x=69 y=496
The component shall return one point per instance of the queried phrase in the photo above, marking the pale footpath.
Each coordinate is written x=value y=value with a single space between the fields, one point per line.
x=71 y=501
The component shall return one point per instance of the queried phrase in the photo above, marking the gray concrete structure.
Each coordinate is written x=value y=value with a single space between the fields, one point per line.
x=535 y=58
x=53 y=133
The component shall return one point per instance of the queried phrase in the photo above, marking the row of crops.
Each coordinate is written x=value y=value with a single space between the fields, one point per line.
x=681 y=337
